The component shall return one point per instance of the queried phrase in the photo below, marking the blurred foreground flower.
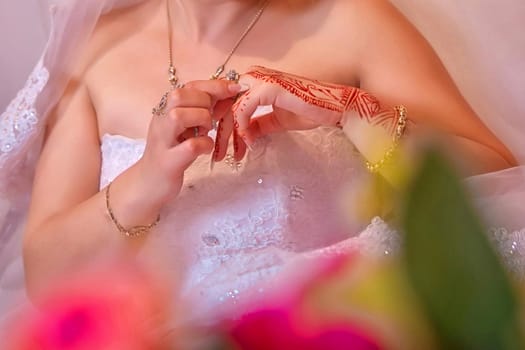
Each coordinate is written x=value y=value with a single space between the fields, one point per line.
x=447 y=290
x=456 y=274
x=118 y=309
x=281 y=329
x=348 y=302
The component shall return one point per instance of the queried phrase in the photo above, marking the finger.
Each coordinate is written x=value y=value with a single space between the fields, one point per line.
x=188 y=97
x=261 y=126
x=192 y=132
x=222 y=108
x=217 y=89
x=179 y=120
x=217 y=142
x=219 y=113
x=187 y=152
x=247 y=104
x=239 y=146
x=224 y=132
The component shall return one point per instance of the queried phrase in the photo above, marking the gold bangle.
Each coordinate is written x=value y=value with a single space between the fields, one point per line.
x=401 y=113
x=134 y=231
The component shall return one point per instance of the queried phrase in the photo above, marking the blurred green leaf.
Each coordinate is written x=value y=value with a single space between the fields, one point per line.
x=452 y=266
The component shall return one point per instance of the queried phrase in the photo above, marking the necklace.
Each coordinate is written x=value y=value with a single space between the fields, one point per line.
x=159 y=110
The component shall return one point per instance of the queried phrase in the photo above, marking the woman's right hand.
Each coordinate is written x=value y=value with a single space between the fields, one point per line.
x=179 y=136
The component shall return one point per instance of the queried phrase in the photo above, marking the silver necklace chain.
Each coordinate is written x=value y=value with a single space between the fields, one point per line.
x=160 y=108
x=173 y=79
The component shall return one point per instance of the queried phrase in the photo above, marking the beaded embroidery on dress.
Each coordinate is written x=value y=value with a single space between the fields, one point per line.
x=251 y=217
x=229 y=251
x=239 y=226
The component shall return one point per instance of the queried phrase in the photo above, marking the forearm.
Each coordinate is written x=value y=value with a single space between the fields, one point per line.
x=373 y=142
x=474 y=158
x=373 y=124
x=77 y=236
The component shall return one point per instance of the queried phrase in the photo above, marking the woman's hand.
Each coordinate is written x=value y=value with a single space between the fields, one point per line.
x=300 y=103
x=178 y=136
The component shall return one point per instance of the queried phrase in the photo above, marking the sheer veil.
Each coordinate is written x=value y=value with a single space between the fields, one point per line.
x=22 y=125
x=491 y=75
x=480 y=45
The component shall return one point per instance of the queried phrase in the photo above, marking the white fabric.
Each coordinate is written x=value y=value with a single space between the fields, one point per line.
x=235 y=228
x=239 y=226
x=275 y=199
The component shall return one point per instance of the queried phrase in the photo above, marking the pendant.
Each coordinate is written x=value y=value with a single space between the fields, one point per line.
x=173 y=76
x=160 y=109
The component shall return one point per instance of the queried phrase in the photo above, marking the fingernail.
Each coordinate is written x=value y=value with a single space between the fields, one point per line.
x=247 y=142
x=215 y=152
x=244 y=87
x=235 y=142
x=235 y=88
x=212 y=163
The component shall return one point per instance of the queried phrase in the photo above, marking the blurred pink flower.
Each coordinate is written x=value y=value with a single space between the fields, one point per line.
x=278 y=329
x=114 y=310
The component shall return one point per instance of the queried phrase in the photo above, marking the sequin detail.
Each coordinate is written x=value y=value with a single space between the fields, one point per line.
x=232 y=163
x=240 y=229
x=211 y=240
x=20 y=119
x=296 y=193
x=511 y=248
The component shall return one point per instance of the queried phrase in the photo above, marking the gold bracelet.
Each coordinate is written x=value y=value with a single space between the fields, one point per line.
x=134 y=231
x=401 y=113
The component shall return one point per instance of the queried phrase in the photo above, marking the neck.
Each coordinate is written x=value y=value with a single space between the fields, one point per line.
x=202 y=20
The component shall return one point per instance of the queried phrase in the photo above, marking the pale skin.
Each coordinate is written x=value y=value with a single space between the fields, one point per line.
x=123 y=74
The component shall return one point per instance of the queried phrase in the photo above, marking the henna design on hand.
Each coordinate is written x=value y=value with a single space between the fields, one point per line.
x=333 y=97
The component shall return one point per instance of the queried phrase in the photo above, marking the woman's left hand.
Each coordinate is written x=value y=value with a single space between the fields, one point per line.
x=298 y=103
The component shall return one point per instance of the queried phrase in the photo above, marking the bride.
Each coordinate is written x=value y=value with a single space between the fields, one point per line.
x=213 y=137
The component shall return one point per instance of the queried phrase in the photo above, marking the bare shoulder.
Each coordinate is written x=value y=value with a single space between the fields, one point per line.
x=114 y=28
x=375 y=22
x=348 y=33
x=110 y=29
x=384 y=43
x=367 y=11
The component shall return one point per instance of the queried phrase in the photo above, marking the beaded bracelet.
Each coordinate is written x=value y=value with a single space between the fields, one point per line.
x=401 y=124
x=134 y=231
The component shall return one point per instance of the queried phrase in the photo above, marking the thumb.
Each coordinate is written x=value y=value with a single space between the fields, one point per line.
x=218 y=89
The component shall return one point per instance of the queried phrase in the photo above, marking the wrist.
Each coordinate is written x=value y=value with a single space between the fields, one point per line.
x=128 y=230
x=131 y=204
x=380 y=144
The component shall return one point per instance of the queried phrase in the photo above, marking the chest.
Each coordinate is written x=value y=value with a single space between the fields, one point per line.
x=129 y=79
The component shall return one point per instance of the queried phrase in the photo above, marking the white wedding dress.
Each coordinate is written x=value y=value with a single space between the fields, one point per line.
x=231 y=230
x=237 y=226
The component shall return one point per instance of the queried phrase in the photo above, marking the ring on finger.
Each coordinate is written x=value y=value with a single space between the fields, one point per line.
x=232 y=75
